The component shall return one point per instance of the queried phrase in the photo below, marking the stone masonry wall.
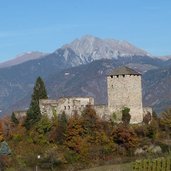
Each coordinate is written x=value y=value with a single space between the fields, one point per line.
x=68 y=105
x=102 y=111
x=125 y=91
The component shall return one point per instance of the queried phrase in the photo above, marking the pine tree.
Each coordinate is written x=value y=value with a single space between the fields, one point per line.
x=33 y=113
x=14 y=119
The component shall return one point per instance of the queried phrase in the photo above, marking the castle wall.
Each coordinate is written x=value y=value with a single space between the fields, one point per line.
x=68 y=105
x=102 y=111
x=125 y=91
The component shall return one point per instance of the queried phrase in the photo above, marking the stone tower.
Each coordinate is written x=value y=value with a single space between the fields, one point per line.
x=124 y=90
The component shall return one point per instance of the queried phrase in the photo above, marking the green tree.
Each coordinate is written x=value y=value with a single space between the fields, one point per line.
x=62 y=128
x=166 y=118
x=33 y=113
x=126 y=117
x=152 y=129
x=40 y=130
x=165 y=121
x=14 y=119
x=90 y=120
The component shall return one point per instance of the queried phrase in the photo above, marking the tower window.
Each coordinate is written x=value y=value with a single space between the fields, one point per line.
x=117 y=76
x=64 y=107
x=68 y=107
x=111 y=76
x=123 y=75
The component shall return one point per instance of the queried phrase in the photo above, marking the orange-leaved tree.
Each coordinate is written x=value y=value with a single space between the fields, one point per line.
x=75 y=135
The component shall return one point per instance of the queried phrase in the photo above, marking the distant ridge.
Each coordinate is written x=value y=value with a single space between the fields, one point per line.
x=123 y=71
x=22 y=58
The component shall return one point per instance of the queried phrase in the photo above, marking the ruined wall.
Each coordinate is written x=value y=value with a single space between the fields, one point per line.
x=125 y=91
x=20 y=114
x=68 y=105
x=102 y=111
x=48 y=107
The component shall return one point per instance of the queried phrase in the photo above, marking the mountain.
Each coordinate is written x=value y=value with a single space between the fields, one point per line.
x=82 y=51
x=90 y=48
x=88 y=79
x=22 y=58
x=72 y=69
x=165 y=58
x=157 y=88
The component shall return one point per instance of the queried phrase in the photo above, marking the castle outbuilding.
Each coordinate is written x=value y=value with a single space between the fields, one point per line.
x=124 y=89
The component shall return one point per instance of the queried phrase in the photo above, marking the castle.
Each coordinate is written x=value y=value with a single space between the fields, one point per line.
x=123 y=89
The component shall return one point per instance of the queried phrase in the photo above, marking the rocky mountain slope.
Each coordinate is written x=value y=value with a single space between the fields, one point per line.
x=90 y=48
x=70 y=70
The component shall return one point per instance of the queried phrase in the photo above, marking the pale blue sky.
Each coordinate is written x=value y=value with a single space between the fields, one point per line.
x=45 y=25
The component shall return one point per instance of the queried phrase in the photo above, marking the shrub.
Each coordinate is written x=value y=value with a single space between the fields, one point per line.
x=126 y=117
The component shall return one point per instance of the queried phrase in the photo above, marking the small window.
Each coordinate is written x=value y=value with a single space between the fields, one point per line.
x=117 y=76
x=68 y=107
x=123 y=75
x=111 y=76
x=64 y=107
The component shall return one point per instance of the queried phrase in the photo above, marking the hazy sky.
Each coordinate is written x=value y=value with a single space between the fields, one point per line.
x=45 y=25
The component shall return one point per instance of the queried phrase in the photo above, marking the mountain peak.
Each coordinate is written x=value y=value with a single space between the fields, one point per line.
x=90 y=48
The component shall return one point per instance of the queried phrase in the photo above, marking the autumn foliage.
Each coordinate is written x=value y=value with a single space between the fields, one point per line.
x=75 y=141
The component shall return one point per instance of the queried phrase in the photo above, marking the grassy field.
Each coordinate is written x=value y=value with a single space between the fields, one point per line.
x=122 y=167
